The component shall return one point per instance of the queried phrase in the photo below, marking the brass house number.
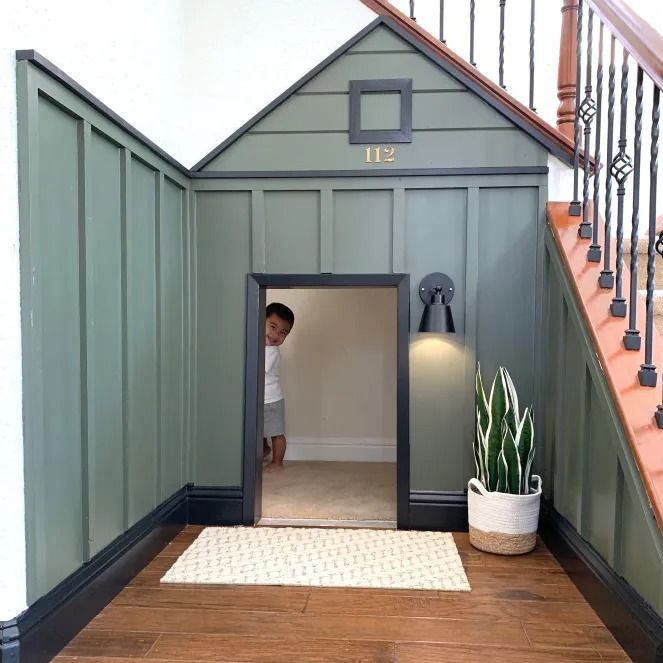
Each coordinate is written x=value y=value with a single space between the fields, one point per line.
x=384 y=154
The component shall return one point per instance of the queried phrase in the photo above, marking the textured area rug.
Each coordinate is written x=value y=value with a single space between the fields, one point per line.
x=331 y=490
x=318 y=557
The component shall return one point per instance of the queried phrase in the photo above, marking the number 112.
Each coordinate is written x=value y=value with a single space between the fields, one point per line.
x=380 y=155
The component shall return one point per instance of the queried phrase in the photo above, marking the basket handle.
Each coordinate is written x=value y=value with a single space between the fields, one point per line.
x=477 y=486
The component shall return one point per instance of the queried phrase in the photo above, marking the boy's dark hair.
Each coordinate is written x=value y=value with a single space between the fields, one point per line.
x=281 y=311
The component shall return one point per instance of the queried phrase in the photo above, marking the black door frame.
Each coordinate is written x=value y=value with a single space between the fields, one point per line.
x=254 y=385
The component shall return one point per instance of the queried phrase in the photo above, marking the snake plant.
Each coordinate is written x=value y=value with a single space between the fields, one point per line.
x=504 y=442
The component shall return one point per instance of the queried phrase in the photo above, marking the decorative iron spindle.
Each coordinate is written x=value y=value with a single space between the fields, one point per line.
x=442 y=39
x=574 y=207
x=647 y=373
x=472 y=11
x=502 y=4
x=587 y=111
x=621 y=168
x=594 y=251
x=531 y=53
x=607 y=279
x=412 y=10
x=632 y=339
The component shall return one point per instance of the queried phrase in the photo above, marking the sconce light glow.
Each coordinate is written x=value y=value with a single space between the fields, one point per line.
x=436 y=291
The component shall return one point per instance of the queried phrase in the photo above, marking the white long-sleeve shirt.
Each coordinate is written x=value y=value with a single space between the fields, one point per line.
x=273 y=391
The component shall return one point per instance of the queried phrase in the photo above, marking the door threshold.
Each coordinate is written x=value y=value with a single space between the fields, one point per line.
x=321 y=522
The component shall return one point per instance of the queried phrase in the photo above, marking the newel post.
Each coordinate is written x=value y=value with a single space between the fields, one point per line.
x=566 y=73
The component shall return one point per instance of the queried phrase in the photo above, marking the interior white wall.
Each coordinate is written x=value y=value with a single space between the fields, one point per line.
x=338 y=368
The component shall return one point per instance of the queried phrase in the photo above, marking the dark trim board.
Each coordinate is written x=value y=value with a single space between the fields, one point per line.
x=632 y=621
x=444 y=511
x=45 y=627
x=211 y=505
x=254 y=382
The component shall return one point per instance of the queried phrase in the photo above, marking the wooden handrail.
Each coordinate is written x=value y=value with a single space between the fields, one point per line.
x=644 y=44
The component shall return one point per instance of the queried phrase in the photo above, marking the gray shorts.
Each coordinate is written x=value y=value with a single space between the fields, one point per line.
x=274 y=421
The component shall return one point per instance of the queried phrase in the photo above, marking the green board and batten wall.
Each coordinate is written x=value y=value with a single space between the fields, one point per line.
x=105 y=305
x=485 y=231
x=134 y=281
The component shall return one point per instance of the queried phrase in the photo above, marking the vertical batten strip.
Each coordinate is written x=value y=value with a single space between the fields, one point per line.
x=326 y=231
x=193 y=332
x=258 y=231
x=87 y=450
x=31 y=322
x=158 y=219
x=125 y=211
x=472 y=245
x=398 y=232
x=186 y=329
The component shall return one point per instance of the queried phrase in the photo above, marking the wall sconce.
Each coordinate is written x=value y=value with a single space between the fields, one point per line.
x=436 y=291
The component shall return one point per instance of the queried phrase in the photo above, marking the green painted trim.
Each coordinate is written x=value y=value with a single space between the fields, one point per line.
x=624 y=453
x=326 y=231
x=87 y=452
x=186 y=333
x=472 y=249
x=398 y=231
x=29 y=246
x=193 y=288
x=158 y=221
x=258 y=232
x=360 y=183
x=125 y=222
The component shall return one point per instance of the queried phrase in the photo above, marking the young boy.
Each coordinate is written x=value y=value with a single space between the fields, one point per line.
x=278 y=323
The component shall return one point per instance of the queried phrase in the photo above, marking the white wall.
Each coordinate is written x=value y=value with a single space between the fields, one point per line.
x=338 y=368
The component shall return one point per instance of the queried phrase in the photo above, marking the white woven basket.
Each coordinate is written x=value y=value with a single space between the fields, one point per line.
x=503 y=523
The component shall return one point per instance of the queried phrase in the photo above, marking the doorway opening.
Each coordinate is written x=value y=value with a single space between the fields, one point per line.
x=345 y=377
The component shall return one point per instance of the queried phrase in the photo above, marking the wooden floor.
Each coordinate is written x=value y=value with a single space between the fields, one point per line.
x=520 y=609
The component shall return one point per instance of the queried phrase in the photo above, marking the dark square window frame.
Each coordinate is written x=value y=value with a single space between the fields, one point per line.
x=400 y=135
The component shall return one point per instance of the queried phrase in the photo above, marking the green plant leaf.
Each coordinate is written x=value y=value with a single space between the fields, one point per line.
x=510 y=415
x=497 y=408
x=502 y=471
x=479 y=453
x=482 y=404
x=525 y=444
x=513 y=396
x=512 y=461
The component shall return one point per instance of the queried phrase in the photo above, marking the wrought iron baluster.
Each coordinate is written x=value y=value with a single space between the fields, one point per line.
x=594 y=251
x=442 y=39
x=574 y=207
x=621 y=168
x=412 y=10
x=607 y=279
x=587 y=111
x=647 y=373
x=531 y=53
x=632 y=339
x=501 y=72
x=472 y=12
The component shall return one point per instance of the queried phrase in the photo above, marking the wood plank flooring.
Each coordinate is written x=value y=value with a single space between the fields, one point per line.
x=522 y=609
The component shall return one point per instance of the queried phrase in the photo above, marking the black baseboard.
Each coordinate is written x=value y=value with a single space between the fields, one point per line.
x=633 y=622
x=47 y=625
x=209 y=505
x=433 y=510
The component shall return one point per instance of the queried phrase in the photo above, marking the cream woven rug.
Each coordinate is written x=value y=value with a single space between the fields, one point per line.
x=320 y=557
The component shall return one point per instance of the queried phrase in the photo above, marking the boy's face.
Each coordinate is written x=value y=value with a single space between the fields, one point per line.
x=276 y=330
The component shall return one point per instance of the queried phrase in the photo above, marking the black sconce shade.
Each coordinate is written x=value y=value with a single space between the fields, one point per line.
x=436 y=291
